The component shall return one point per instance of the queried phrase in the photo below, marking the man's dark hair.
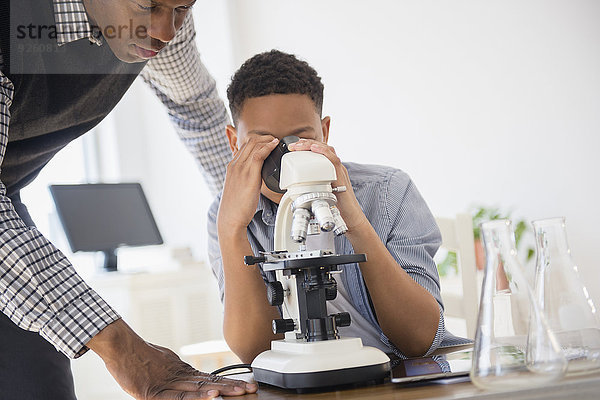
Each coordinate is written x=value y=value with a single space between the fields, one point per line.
x=273 y=72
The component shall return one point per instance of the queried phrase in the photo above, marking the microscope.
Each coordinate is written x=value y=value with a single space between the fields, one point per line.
x=312 y=354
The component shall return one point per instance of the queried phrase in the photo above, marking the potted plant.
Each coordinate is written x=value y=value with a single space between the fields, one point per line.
x=482 y=214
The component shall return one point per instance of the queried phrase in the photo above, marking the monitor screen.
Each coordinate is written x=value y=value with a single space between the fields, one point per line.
x=103 y=217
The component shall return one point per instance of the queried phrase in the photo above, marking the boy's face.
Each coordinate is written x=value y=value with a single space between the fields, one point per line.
x=136 y=30
x=279 y=115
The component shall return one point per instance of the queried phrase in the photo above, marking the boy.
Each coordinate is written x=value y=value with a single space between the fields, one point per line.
x=394 y=297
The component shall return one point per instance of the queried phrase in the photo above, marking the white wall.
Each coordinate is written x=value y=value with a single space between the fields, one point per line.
x=490 y=102
x=481 y=102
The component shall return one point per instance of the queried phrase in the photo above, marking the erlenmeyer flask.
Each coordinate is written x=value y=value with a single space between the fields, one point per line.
x=513 y=345
x=565 y=301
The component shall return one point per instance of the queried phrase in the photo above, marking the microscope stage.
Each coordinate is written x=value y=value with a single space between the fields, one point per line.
x=313 y=262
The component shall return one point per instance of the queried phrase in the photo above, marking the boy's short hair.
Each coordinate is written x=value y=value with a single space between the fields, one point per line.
x=273 y=72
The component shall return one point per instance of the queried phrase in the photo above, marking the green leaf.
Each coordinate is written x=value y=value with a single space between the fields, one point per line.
x=520 y=228
x=483 y=214
x=448 y=264
x=530 y=253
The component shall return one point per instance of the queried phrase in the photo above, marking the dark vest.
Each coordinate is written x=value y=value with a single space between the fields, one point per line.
x=61 y=92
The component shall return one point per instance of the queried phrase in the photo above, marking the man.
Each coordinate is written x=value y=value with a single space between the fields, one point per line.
x=65 y=65
x=394 y=297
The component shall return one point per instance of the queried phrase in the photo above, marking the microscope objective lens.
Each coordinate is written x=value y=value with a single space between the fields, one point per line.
x=300 y=221
x=320 y=209
x=340 y=225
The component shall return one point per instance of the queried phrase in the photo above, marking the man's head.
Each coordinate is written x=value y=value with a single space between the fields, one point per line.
x=136 y=30
x=276 y=94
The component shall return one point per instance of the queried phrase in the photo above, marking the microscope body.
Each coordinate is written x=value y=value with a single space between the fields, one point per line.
x=304 y=261
x=304 y=230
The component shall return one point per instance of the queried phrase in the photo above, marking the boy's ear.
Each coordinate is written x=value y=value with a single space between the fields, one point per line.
x=232 y=137
x=325 y=128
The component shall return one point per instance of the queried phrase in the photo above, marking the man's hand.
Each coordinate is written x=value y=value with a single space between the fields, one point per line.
x=347 y=202
x=146 y=371
x=243 y=182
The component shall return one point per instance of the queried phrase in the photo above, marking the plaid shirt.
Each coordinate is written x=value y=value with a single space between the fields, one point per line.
x=39 y=288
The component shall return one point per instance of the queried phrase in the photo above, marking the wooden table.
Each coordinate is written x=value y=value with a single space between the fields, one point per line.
x=571 y=388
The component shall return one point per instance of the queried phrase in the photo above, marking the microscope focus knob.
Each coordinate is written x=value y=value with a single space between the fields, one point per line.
x=330 y=293
x=275 y=293
x=283 y=325
x=342 y=319
x=251 y=260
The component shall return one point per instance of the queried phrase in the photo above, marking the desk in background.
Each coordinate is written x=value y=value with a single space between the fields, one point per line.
x=170 y=308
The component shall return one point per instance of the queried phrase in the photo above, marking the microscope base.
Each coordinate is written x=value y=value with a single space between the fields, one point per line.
x=305 y=365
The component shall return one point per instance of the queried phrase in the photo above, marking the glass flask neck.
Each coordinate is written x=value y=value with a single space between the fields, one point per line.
x=501 y=252
x=551 y=237
x=498 y=238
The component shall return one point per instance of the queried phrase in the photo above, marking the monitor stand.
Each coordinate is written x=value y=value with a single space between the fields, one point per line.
x=110 y=260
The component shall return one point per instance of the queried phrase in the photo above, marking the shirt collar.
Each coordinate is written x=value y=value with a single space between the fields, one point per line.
x=72 y=23
x=268 y=210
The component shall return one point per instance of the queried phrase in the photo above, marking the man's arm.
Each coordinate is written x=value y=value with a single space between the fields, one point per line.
x=185 y=87
x=408 y=314
x=41 y=292
x=182 y=83
x=248 y=315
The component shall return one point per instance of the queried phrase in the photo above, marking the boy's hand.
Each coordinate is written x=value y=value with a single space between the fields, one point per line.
x=243 y=182
x=347 y=202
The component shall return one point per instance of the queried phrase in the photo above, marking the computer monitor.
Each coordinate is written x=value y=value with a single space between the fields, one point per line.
x=103 y=217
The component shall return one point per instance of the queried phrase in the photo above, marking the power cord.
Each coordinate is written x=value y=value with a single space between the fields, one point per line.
x=230 y=367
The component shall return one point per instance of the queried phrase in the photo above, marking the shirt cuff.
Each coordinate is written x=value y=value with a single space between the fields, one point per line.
x=439 y=334
x=437 y=340
x=71 y=328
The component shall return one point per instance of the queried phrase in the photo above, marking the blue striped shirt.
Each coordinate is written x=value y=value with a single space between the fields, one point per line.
x=402 y=221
